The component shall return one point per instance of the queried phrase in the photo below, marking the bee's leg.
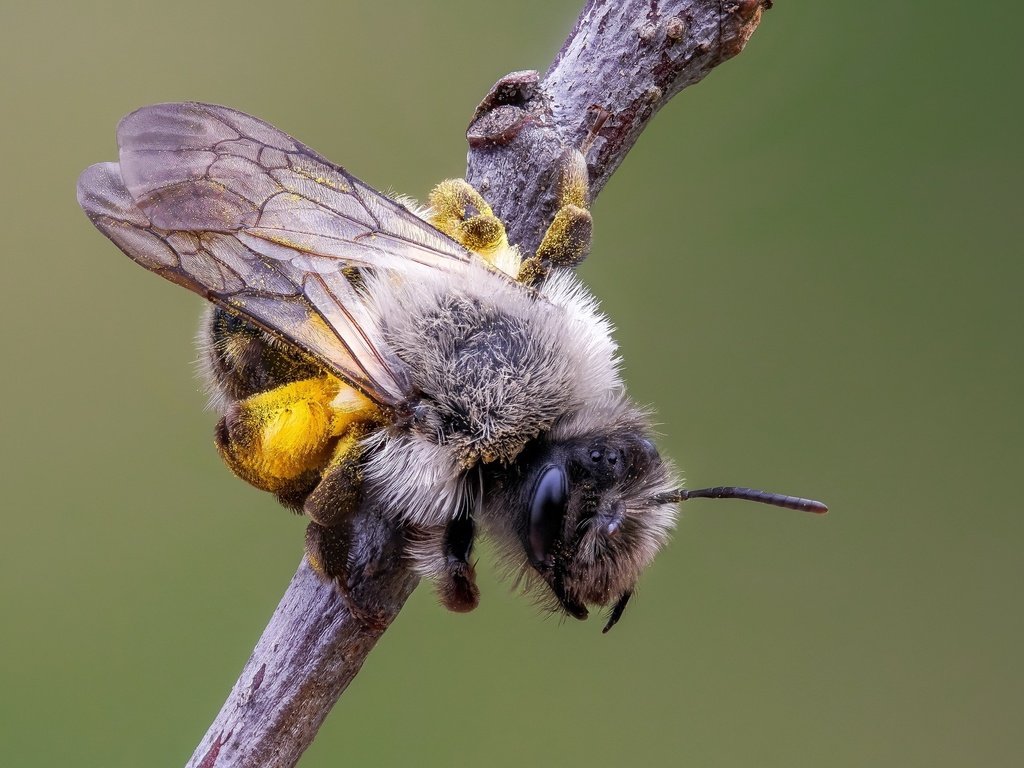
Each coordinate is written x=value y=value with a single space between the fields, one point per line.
x=456 y=584
x=291 y=492
x=327 y=551
x=460 y=212
x=332 y=506
x=293 y=430
x=339 y=492
x=281 y=440
x=567 y=240
x=442 y=554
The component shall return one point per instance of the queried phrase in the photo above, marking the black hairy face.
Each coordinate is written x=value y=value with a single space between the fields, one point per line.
x=586 y=514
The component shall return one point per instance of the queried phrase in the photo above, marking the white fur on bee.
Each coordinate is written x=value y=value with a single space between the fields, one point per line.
x=217 y=398
x=507 y=258
x=424 y=550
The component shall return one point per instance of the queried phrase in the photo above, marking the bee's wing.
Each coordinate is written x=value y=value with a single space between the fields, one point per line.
x=254 y=221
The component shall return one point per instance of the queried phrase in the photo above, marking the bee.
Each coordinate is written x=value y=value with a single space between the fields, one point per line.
x=361 y=350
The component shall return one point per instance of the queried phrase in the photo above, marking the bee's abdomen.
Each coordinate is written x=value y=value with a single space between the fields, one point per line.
x=242 y=360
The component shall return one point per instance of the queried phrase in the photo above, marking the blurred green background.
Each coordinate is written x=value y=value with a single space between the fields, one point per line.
x=814 y=261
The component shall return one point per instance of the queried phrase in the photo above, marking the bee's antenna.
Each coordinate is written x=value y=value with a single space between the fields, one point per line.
x=747 y=494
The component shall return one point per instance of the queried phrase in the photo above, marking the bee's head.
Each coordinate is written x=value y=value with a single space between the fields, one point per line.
x=589 y=514
x=590 y=505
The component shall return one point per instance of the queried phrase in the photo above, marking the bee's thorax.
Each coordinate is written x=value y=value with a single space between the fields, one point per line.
x=492 y=367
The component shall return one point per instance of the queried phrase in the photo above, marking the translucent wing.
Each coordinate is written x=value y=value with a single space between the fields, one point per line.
x=251 y=219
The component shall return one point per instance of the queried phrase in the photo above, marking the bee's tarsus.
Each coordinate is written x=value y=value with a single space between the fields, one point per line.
x=566 y=242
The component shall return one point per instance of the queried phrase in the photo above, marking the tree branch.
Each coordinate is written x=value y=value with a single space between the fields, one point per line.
x=622 y=62
x=310 y=651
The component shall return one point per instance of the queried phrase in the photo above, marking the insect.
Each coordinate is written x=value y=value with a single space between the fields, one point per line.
x=362 y=352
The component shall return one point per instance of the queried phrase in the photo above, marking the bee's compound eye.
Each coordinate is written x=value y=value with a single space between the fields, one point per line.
x=547 y=513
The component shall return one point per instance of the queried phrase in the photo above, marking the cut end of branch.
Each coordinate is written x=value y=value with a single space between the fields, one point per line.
x=747 y=15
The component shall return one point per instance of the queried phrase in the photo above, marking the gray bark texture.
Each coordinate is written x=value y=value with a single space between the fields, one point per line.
x=622 y=62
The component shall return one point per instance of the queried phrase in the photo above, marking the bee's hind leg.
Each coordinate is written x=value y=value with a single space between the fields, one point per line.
x=328 y=550
x=332 y=505
x=338 y=495
x=283 y=416
x=292 y=429
x=332 y=508
x=283 y=440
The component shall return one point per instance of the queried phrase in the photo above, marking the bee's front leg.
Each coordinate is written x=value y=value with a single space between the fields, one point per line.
x=456 y=583
x=443 y=555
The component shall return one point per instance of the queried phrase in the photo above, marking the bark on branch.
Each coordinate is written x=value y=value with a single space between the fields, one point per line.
x=622 y=62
